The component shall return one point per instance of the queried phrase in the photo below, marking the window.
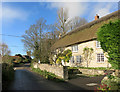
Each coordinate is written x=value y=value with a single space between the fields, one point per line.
x=75 y=48
x=78 y=59
x=72 y=59
x=100 y=57
x=98 y=44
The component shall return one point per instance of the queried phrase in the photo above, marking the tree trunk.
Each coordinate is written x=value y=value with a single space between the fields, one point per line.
x=87 y=64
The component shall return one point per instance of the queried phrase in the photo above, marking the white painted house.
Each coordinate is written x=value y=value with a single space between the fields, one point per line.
x=85 y=36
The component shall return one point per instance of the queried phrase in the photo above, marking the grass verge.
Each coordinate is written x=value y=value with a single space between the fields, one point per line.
x=48 y=75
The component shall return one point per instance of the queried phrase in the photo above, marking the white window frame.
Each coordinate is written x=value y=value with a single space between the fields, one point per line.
x=98 y=44
x=78 y=59
x=100 y=56
x=75 y=48
x=72 y=60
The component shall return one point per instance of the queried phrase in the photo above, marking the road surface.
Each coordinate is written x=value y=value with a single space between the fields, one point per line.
x=26 y=80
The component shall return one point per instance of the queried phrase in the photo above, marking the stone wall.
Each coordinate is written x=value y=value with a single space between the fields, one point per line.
x=60 y=71
x=92 y=71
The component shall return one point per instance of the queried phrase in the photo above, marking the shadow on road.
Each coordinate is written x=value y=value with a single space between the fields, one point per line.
x=27 y=80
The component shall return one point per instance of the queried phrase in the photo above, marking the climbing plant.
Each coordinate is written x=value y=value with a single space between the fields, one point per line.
x=109 y=37
x=87 y=54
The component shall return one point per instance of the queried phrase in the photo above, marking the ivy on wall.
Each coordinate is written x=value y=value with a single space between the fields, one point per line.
x=109 y=37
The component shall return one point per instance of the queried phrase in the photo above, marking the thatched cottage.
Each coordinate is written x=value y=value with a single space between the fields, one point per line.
x=85 y=36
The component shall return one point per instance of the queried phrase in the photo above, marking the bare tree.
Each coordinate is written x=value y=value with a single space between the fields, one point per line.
x=38 y=39
x=33 y=38
x=4 y=50
x=77 y=22
x=28 y=53
x=5 y=54
x=87 y=55
x=62 y=22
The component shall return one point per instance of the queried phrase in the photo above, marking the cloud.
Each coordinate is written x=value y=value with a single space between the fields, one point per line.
x=103 y=12
x=86 y=8
x=74 y=8
x=10 y=14
x=60 y=0
x=102 y=9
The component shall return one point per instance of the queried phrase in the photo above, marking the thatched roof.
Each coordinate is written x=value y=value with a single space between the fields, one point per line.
x=84 y=33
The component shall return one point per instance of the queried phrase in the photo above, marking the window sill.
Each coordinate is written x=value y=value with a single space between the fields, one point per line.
x=98 y=47
x=75 y=51
x=100 y=62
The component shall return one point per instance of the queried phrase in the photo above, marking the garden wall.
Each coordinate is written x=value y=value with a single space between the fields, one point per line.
x=60 y=71
x=92 y=71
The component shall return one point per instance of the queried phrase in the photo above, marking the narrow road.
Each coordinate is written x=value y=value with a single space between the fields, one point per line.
x=26 y=80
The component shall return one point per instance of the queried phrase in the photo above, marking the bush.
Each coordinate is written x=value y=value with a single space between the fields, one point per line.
x=112 y=83
x=109 y=37
x=7 y=74
x=103 y=87
x=7 y=59
x=65 y=56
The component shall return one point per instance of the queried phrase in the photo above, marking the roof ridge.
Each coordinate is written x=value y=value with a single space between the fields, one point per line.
x=85 y=32
x=92 y=23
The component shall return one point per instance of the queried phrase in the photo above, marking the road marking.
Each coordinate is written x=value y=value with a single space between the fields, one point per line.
x=91 y=84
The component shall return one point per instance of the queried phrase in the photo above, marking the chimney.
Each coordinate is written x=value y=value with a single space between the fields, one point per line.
x=96 y=17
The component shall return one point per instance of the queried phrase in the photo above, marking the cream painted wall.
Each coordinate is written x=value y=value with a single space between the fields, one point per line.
x=93 y=62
